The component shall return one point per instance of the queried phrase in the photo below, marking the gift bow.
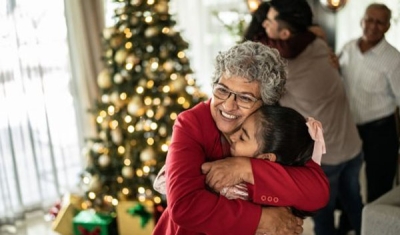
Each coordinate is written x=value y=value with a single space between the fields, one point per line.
x=141 y=211
x=316 y=133
x=84 y=231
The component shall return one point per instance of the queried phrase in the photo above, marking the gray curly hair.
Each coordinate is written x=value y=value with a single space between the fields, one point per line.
x=255 y=62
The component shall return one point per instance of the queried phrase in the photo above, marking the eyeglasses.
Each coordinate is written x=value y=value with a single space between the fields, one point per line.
x=242 y=100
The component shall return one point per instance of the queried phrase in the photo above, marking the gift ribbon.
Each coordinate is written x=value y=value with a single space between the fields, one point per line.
x=140 y=210
x=84 y=231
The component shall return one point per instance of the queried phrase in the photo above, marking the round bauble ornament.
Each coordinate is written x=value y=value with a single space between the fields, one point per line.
x=178 y=84
x=116 y=41
x=333 y=5
x=105 y=98
x=134 y=20
x=127 y=172
x=167 y=101
x=116 y=136
x=94 y=184
x=136 y=2
x=160 y=112
x=136 y=106
x=132 y=59
x=118 y=78
x=120 y=56
x=104 y=160
x=169 y=66
x=151 y=32
x=162 y=7
x=147 y=154
x=97 y=147
x=115 y=99
x=103 y=135
x=104 y=79
x=162 y=130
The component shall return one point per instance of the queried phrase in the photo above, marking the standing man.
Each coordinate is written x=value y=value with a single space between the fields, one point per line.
x=371 y=73
x=314 y=88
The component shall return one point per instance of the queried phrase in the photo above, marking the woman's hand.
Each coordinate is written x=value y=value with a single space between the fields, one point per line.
x=279 y=221
x=227 y=172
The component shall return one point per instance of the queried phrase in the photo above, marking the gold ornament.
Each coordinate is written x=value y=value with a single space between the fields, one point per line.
x=147 y=154
x=162 y=7
x=136 y=2
x=117 y=40
x=162 y=130
x=169 y=66
x=103 y=135
x=120 y=56
x=104 y=79
x=104 y=160
x=118 y=78
x=151 y=32
x=116 y=136
x=160 y=113
x=116 y=100
x=94 y=184
x=127 y=172
x=132 y=59
x=178 y=84
x=134 y=20
x=136 y=107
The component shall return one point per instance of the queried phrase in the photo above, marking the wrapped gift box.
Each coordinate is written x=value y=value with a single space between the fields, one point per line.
x=89 y=222
x=70 y=206
x=135 y=218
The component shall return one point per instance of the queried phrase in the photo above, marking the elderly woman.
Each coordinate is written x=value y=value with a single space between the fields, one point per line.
x=246 y=77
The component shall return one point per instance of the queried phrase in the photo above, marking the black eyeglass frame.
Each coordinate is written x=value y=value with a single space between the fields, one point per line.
x=240 y=98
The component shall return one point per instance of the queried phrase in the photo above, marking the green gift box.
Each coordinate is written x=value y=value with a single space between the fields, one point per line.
x=88 y=222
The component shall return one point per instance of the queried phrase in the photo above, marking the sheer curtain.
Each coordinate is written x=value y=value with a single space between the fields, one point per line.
x=39 y=145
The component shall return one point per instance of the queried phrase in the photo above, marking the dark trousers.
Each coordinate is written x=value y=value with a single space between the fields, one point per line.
x=380 y=147
x=345 y=186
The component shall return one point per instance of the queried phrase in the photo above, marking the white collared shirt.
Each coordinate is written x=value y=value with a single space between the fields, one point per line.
x=371 y=79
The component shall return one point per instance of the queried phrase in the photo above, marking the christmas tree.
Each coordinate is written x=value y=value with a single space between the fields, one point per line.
x=147 y=81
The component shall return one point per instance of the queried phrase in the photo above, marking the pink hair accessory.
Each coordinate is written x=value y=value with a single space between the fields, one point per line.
x=316 y=133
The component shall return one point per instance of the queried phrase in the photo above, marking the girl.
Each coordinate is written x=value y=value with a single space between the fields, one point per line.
x=277 y=134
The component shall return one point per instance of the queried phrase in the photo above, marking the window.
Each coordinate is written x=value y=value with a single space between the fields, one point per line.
x=39 y=148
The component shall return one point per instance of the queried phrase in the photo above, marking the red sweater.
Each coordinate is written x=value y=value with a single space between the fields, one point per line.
x=194 y=210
